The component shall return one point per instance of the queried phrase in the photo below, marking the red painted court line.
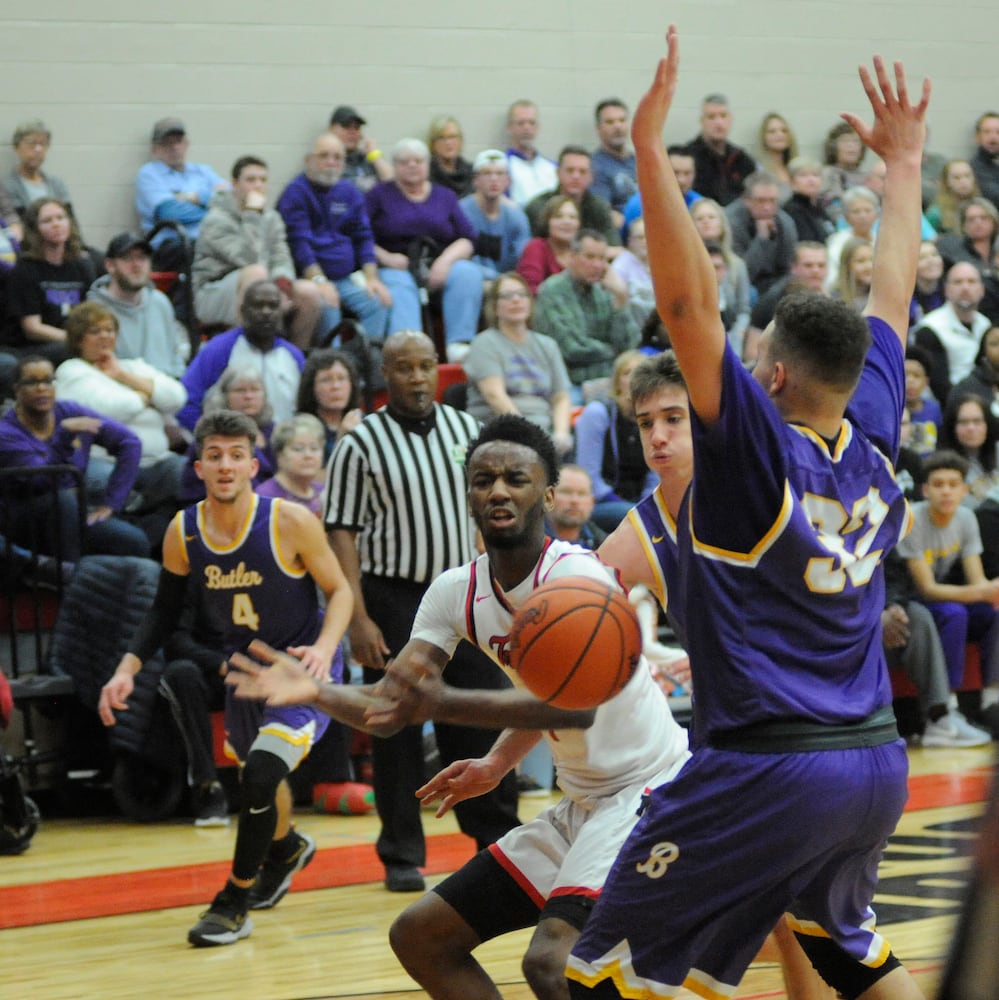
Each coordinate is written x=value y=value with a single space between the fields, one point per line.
x=189 y=885
x=928 y=791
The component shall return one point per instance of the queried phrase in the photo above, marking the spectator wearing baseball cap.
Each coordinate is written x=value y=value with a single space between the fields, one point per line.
x=27 y=181
x=168 y=187
x=364 y=165
x=502 y=229
x=147 y=327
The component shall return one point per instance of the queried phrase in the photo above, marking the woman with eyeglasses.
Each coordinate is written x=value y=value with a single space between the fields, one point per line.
x=39 y=431
x=423 y=240
x=513 y=369
x=970 y=429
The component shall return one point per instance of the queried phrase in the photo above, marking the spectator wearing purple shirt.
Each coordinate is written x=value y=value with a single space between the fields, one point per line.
x=39 y=431
x=330 y=237
x=406 y=210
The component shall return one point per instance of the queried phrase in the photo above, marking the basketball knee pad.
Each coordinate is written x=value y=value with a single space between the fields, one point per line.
x=261 y=776
x=574 y=910
x=844 y=973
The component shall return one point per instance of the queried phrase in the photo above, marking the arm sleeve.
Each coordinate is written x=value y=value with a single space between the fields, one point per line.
x=163 y=616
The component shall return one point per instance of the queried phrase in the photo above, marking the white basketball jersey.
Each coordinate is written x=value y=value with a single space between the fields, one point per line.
x=633 y=736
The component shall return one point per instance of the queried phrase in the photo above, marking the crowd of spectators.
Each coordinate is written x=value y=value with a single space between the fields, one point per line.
x=530 y=270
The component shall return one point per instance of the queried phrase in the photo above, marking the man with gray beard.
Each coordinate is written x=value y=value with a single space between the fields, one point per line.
x=330 y=237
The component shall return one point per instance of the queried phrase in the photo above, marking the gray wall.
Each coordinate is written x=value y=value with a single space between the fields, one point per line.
x=249 y=76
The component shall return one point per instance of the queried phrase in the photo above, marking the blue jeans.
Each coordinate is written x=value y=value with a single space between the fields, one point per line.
x=371 y=314
x=405 y=312
x=461 y=300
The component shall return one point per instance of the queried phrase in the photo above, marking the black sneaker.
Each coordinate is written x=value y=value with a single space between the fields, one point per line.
x=403 y=878
x=274 y=877
x=211 y=808
x=224 y=922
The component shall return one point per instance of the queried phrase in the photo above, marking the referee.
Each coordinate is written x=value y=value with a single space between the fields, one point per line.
x=397 y=514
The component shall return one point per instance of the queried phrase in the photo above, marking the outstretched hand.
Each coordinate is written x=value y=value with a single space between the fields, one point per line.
x=271 y=676
x=464 y=779
x=899 y=128
x=653 y=108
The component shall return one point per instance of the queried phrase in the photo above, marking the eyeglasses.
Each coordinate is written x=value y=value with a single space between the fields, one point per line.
x=519 y=294
x=31 y=383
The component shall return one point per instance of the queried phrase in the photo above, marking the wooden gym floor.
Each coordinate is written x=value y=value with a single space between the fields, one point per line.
x=100 y=908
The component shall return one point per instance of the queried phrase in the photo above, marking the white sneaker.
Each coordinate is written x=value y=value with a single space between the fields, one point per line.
x=945 y=732
x=972 y=732
x=456 y=352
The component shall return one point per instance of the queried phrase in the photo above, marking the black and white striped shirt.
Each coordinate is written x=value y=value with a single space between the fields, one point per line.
x=405 y=494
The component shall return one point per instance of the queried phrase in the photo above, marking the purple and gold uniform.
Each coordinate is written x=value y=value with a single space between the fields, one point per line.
x=798 y=776
x=250 y=593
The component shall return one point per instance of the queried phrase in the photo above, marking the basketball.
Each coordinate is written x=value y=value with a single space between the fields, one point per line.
x=575 y=642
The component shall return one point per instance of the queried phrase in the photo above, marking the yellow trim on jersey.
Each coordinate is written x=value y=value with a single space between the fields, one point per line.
x=177 y=525
x=908 y=520
x=843 y=439
x=808 y=927
x=633 y=987
x=295 y=737
x=752 y=557
x=614 y=972
x=646 y=542
x=241 y=534
x=877 y=952
x=276 y=542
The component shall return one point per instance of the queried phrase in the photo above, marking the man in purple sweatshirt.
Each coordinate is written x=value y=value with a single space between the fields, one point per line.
x=330 y=237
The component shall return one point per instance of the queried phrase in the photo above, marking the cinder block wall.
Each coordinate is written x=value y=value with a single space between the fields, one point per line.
x=262 y=77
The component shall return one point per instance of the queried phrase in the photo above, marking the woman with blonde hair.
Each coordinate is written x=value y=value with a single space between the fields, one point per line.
x=447 y=166
x=734 y=292
x=853 y=282
x=778 y=147
x=609 y=448
x=135 y=394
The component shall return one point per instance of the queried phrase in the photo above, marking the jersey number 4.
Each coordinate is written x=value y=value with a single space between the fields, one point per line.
x=848 y=537
x=243 y=612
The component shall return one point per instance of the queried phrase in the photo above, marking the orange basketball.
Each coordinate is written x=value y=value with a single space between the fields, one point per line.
x=575 y=642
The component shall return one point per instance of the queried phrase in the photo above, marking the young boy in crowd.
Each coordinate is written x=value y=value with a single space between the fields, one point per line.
x=944 y=556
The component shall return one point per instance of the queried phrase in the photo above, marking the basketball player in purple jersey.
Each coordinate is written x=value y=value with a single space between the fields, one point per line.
x=257 y=563
x=780 y=541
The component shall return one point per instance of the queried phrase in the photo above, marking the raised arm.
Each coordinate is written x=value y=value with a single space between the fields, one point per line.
x=682 y=274
x=897 y=136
